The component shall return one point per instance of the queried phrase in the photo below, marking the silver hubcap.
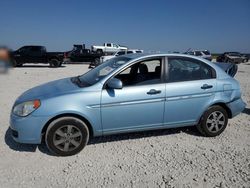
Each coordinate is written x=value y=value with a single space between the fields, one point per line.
x=67 y=138
x=215 y=121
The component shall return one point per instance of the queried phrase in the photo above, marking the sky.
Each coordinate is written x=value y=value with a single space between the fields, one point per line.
x=151 y=25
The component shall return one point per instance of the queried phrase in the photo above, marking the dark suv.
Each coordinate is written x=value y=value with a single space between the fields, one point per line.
x=230 y=57
x=36 y=54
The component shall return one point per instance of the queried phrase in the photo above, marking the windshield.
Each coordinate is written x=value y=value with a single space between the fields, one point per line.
x=234 y=54
x=103 y=70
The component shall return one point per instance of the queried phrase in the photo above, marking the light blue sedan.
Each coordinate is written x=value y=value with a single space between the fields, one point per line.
x=129 y=93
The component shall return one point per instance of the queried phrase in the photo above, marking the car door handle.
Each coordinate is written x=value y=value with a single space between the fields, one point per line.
x=153 y=92
x=206 y=86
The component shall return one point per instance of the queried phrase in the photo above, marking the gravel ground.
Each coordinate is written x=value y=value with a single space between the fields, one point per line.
x=169 y=158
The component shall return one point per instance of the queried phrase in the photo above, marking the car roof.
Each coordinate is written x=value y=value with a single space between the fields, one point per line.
x=232 y=52
x=199 y=50
x=32 y=46
x=148 y=55
x=141 y=56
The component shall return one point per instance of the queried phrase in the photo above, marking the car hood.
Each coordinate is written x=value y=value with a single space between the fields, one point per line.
x=229 y=68
x=50 y=89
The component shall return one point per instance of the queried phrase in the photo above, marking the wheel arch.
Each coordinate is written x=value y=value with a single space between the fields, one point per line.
x=223 y=105
x=91 y=133
x=53 y=58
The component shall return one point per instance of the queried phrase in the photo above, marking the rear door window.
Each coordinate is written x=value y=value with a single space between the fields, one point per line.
x=187 y=69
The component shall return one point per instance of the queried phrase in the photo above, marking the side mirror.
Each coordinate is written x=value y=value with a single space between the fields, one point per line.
x=114 y=83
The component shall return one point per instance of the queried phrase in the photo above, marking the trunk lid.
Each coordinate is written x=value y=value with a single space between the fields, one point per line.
x=229 y=68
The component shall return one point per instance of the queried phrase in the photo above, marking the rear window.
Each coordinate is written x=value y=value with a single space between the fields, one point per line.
x=138 y=51
x=36 y=48
x=121 y=53
x=206 y=52
x=234 y=54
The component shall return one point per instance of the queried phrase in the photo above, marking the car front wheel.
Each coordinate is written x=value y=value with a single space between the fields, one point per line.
x=213 y=122
x=66 y=136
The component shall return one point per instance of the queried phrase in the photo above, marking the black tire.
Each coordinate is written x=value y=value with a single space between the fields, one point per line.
x=13 y=63
x=54 y=63
x=62 y=140
x=19 y=65
x=99 y=51
x=213 y=122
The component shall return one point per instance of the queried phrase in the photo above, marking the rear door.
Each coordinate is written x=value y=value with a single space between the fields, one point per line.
x=190 y=88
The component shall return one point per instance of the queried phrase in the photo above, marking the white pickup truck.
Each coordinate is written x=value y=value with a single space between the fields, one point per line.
x=108 y=48
x=123 y=52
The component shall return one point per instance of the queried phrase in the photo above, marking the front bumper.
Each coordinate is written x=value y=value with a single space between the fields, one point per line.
x=236 y=106
x=27 y=129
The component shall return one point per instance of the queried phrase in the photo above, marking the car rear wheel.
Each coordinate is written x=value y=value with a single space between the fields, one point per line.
x=54 y=63
x=66 y=136
x=213 y=122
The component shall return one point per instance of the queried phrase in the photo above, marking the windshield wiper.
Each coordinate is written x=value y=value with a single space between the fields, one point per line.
x=78 y=79
x=79 y=82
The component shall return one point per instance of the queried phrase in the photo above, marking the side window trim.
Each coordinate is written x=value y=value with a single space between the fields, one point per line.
x=166 y=78
x=161 y=58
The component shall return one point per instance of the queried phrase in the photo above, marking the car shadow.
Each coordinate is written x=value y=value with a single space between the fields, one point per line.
x=39 y=66
x=145 y=134
x=17 y=146
x=77 y=63
x=246 y=111
x=99 y=140
x=24 y=147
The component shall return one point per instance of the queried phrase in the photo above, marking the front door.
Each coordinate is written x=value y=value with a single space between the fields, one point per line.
x=139 y=104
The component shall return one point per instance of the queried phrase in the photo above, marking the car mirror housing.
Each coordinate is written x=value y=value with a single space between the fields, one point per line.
x=115 y=83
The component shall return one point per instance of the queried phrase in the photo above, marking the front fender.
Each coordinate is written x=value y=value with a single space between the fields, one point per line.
x=86 y=105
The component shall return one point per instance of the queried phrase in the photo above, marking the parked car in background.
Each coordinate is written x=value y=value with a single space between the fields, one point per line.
x=130 y=51
x=108 y=48
x=36 y=54
x=230 y=57
x=129 y=93
x=107 y=57
x=80 y=54
x=201 y=53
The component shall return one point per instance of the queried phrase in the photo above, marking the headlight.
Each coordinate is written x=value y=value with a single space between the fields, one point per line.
x=26 y=108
